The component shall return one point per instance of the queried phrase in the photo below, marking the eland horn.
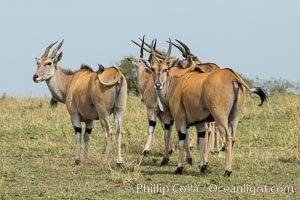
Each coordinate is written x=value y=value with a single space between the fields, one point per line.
x=45 y=54
x=54 y=52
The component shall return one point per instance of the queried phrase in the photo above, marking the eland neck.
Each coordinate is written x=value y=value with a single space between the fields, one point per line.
x=58 y=84
x=163 y=96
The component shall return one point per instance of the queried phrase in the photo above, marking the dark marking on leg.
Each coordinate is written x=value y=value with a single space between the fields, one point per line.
x=77 y=129
x=152 y=123
x=167 y=126
x=88 y=130
x=201 y=134
x=172 y=122
x=181 y=135
x=171 y=152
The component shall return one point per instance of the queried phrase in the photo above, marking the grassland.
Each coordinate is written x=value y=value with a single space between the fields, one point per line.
x=38 y=150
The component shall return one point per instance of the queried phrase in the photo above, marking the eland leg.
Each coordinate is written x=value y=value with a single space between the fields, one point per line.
x=201 y=138
x=234 y=120
x=76 y=121
x=118 y=125
x=170 y=138
x=223 y=128
x=189 y=158
x=217 y=140
x=181 y=137
x=106 y=126
x=167 y=135
x=88 y=131
x=208 y=139
x=152 y=123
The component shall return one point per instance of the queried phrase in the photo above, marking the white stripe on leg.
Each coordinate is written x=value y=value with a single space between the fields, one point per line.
x=118 y=124
x=201 y=150
x=78 y=142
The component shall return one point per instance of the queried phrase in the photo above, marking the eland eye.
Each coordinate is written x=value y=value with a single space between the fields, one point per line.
x=48 y=63
x=165 y=70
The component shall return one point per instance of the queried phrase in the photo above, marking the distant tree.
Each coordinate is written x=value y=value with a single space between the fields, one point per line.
x=130 y=72
x=274 y=85
x=280 y=86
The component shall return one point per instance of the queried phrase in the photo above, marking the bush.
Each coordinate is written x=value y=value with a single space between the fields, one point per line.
x=130 y=72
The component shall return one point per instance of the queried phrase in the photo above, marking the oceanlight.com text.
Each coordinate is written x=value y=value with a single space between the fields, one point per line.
x=211 y=188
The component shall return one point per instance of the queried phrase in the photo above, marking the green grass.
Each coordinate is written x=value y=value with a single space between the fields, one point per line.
x=38 y=153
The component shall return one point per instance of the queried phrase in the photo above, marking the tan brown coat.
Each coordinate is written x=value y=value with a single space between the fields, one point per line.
x=201 y=97
x=88 y=96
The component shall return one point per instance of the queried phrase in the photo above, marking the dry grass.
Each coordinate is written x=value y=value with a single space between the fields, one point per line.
x=38 y=145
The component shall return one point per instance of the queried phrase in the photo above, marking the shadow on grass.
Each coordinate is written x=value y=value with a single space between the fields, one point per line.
x=168 y=171
x=292 y=160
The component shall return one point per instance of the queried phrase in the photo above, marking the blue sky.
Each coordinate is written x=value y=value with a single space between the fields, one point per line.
x=257 y=38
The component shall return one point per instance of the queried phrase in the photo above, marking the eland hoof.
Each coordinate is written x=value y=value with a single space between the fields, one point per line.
x=146 y=152
x=164 y=162
x=120 y=165
x=227 y=173
x=203 y=168
x=189 y=161
x=223 y=148
x=77 y=162
x=179 y=170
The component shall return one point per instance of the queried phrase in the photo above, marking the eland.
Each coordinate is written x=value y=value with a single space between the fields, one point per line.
x=194 y=98
x=89 y=95
x=154 y=111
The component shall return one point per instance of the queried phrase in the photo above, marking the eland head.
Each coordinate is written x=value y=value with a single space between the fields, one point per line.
x=46 y=65
x=160 y=68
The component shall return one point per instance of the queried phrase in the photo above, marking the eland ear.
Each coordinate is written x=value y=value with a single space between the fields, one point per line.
x=147 y=65
x=36 y=59
x=132 y=61
x=173 y=63
x=58 y=57
x=101 y=68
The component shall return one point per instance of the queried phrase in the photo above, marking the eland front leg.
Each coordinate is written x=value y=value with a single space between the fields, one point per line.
x=201 y=138
x=152 y=123
x=181 y=130
x=166 y=118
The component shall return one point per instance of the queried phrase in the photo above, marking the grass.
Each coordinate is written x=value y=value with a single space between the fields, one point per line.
x=38 y=153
